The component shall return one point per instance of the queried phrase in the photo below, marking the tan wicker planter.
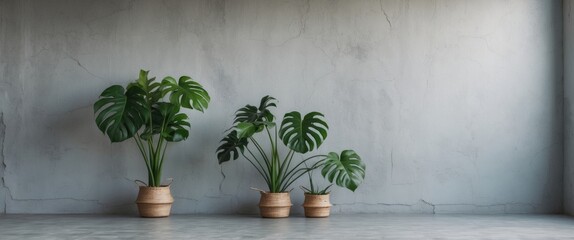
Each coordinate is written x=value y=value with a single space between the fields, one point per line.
x=275 y=205
x=154 y=202
x=317 y=206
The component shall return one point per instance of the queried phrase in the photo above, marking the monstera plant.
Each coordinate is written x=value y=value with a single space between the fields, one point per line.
x=300 y=134
x=317 y=202
x=139 y=112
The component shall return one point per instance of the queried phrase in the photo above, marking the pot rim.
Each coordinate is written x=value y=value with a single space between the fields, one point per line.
x=275 y=193
x=308 y=194
x=160 y=187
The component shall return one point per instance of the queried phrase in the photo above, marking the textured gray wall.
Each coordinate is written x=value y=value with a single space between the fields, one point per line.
x=456 y=106
x=568 y=107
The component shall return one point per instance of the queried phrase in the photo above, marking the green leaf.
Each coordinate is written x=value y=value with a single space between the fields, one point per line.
x=246 y=130
x=303 y=135
x=253 y=114
x=347 y=171
x=120 y=113
x=266 y=103
x=169 y=122
x=230 y=147
x=149 y=86
x=174 y=127
x=185 y=93
x=248 y=113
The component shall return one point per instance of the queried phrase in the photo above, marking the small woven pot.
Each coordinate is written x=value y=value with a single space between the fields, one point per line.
x=275 y=205
x=154 y=202
x=317 y=206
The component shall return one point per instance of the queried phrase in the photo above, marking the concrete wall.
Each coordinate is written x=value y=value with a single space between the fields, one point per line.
x=456 y=106
x=568 y=107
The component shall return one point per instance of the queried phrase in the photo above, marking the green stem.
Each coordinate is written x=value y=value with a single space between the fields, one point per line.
x=162 y=156
x=153 y=161
x=141 y=147
x=258 y=162
x=310 y=181
x=297 y=166
x=260 y=149
x=275 y=166
x=265 y=177
x=287 y=162
x=158 y=159
x=276 y=173
x=292 y=175
x=292 y=178
x=265 y=158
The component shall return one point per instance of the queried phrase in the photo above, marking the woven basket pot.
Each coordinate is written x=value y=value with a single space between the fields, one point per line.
x=317 y=206
x=275 y=205
x=154 y=202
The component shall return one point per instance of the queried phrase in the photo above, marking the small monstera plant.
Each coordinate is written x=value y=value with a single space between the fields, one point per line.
x=139 y=112
x=300 y=134
x=332 y=164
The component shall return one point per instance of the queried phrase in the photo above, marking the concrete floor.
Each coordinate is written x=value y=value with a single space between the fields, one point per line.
x=358 y=226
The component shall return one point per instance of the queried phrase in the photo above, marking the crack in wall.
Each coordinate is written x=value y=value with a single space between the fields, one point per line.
x=373 y=204
x=222 y=179
x=129 y=7
x=82 y=66
x=9 y=196
x=386 y=15
x=2 y=161
x=185 y=198
x=436 y=207
x=302 y=24
x=302 y=28
x=55 y=199
x=430 y=204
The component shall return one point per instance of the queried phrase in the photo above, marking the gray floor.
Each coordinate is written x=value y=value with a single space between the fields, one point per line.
x=358 y=226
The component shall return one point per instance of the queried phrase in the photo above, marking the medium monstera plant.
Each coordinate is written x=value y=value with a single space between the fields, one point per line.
x=139 y=112
x=300 y=134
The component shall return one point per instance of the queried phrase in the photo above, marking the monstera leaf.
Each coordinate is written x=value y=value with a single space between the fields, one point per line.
x=149 y=86
x=246 y=129
x=248 y=113
x=303 y=135
x=169 y=122
x=174 y=125
x=347 y=171
x=121 y=113
x=230 y=147
x=185 y=92
x=266 y=103
x=253 y=114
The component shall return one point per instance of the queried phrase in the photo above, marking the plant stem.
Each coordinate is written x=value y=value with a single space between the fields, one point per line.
x=141 y=147
x=162 y=157
x=275 y=169
x=302 y=162
x=260 y=149
x=159 y=161
x=258 y=162
x=265 y=177
x=285 y=165
x=292 y=176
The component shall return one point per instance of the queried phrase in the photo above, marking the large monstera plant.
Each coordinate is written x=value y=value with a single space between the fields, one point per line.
x=300 y=134
x=139 y=112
